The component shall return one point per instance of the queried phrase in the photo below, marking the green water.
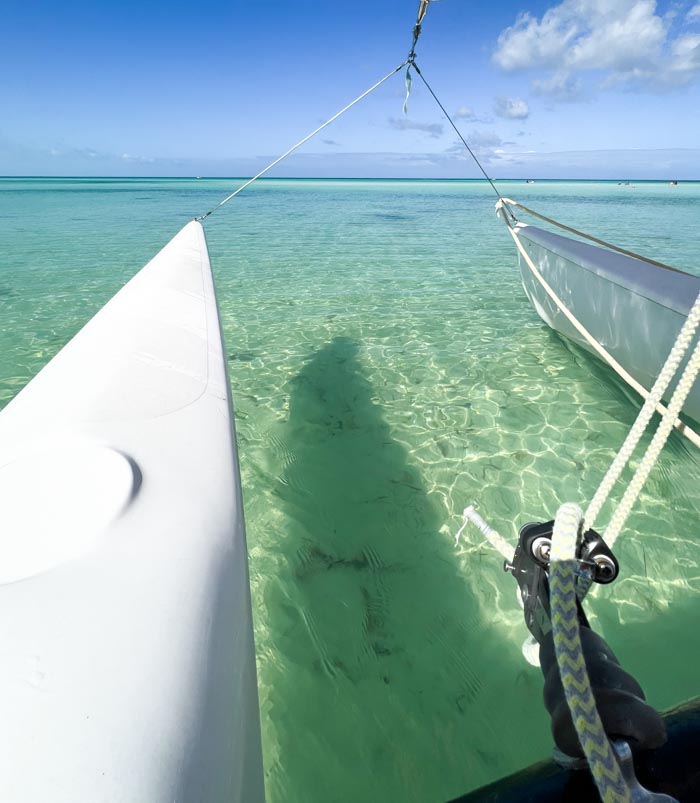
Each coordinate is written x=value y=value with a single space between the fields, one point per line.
x=387 y=370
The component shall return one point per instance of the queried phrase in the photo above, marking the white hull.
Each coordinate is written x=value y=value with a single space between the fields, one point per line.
x=631 y=307
x=127 y=664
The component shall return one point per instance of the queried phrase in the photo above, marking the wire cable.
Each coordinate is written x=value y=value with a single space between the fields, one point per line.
x=459 y=134
x=302 y=141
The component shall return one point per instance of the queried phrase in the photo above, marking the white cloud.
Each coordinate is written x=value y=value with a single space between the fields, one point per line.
x=485 y=144
x=560 y=86
x=502 y=159
x=482 y=140
x=127 y=157
x=694 y=13
x=661 y=164
x=465 y=113
x=511 y=108
x=686 y=56
x=76 y=153
x=622 y=42
x=402 y=124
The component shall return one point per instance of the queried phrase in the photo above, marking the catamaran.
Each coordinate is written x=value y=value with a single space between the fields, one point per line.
x=128 y=662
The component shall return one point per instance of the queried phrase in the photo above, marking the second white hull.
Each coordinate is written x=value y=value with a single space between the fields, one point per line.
x=632 y=308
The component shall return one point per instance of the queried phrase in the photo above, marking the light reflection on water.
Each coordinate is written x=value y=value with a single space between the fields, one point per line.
x=387 y=370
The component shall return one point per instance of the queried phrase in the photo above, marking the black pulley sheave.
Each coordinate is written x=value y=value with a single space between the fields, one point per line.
x=619 y=698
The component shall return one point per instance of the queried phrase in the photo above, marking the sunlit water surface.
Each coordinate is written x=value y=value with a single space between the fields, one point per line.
x=387 y=370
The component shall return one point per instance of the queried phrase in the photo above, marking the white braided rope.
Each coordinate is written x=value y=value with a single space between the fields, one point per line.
x=571 y=661
x=663 y=380
x=685 y=383
x=494 y=538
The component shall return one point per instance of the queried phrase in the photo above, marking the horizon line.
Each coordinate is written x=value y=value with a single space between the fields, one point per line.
x=343 y=178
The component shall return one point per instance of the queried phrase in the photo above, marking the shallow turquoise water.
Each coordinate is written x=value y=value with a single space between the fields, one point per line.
x=387 y=370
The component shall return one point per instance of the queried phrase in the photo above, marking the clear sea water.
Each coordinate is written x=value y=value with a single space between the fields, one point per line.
x=387 y=370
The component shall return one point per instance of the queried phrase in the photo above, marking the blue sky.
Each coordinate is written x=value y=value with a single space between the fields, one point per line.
x=580 y=88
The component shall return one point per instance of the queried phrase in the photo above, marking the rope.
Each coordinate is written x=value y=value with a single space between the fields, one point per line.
x=302 y=141
x=572 y=666
x=422 y=11
x=685 y=383
x=496 y=540
x=589 y=237
x=570 y=521
x=663 y=380
x=684 y=429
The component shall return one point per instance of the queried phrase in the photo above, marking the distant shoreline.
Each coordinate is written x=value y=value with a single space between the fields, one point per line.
x=623 y=179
